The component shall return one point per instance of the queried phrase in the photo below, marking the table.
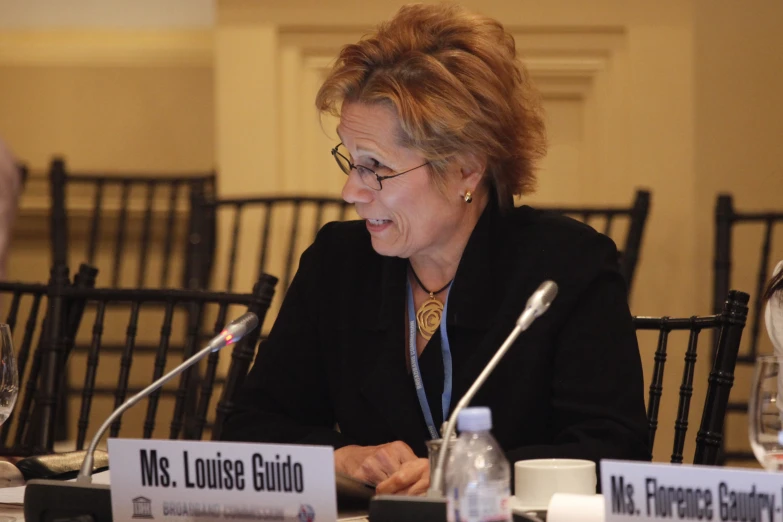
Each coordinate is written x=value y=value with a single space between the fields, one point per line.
x=15 y=513
x=11 y=513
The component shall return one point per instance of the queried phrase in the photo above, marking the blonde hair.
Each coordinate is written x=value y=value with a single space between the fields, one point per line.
x=453 y=79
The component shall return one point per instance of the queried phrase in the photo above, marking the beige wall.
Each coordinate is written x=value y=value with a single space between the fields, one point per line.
x=678 y=96
x=81 y=14
x=138 y=101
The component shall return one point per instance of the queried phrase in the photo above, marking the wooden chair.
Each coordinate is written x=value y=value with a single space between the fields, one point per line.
x=37 y=409
x=25 y=305
x=728 y=324
x=602 y=219
x=299 y=219
x=135 y=231
x=727 y=221
x=165 y=222
x=27 y=308
x=302 y=216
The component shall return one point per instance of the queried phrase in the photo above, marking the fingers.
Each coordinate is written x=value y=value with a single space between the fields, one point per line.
x=413 y=478
x=391 y=456
x=420 y=487
x=348 y=459
x=374 y=464
x=372 y=471
x=402 y=451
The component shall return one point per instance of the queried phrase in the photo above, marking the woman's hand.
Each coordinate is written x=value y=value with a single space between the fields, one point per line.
x=413 y=478
x=373 y=464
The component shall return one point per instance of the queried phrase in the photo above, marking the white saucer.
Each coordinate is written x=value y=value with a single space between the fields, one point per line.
x=518 y=508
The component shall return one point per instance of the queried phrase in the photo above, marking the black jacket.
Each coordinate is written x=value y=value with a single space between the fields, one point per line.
x=571 y=386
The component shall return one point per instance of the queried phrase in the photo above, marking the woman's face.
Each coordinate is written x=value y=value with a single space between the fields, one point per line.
x=410 y=216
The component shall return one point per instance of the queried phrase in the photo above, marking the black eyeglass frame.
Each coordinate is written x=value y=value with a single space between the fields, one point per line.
x=353 y=166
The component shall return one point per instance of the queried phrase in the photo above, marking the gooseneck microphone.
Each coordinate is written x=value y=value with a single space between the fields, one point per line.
x=58 y=498
x=232 y=333
x=432 y=508
x=537 y=304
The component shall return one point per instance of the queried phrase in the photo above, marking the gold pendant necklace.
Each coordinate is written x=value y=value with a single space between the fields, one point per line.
x=429 y=314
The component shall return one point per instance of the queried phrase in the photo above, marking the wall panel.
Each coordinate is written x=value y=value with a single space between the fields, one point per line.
x=136 y=101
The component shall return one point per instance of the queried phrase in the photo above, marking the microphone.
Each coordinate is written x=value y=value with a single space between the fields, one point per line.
x=234 y=331
x=537 y=304
x=39 y=493
x=230 y=334
x=432 y=508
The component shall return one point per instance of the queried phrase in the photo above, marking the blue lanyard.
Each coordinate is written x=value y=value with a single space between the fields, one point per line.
x=414 y=357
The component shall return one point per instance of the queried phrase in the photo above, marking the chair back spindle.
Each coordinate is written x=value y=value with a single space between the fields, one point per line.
x=119 y=236
x=146 y=231
x=264 y=257
x=168 y=241
x=292 y=237
x=58 y=218
x=89 y=375
x=160 y=365
x=95 y=222
x=126 y=360
x=184 y=402
x=208 y=379
x=25 y=400
x=686 y=393
x=23 y=353
x=656 y=385
x=709 y=439
x=232 y=259
x=608 y=226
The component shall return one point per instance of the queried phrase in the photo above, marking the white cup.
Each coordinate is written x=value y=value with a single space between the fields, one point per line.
x=535 y=481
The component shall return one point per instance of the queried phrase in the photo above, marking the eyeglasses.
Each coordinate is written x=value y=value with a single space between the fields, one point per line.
x=369 y=177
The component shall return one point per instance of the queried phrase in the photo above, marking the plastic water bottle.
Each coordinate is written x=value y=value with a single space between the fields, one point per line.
x=478 y=479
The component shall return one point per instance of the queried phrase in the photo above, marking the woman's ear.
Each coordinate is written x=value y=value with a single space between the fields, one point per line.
x=472 y=170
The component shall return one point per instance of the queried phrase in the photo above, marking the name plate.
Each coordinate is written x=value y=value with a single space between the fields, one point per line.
x=643 y=491
x=232 y=481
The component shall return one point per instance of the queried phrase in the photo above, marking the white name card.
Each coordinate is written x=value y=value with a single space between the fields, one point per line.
x=232 y=481
x=642 y=491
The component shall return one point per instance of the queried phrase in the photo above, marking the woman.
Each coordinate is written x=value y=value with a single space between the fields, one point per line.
x=773 y=315
x=439 y=129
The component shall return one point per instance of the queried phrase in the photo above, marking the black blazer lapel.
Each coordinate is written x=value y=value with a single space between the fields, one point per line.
x=482 y=309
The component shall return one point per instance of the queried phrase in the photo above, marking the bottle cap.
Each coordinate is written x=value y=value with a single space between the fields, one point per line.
x=478 y=418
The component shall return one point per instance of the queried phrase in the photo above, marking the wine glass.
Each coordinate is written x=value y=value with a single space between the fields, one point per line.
x=765 y=412
x=9 y=377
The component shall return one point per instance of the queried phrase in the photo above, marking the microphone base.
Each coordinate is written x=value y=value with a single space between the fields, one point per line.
x=50 y=500
x=393 y=508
